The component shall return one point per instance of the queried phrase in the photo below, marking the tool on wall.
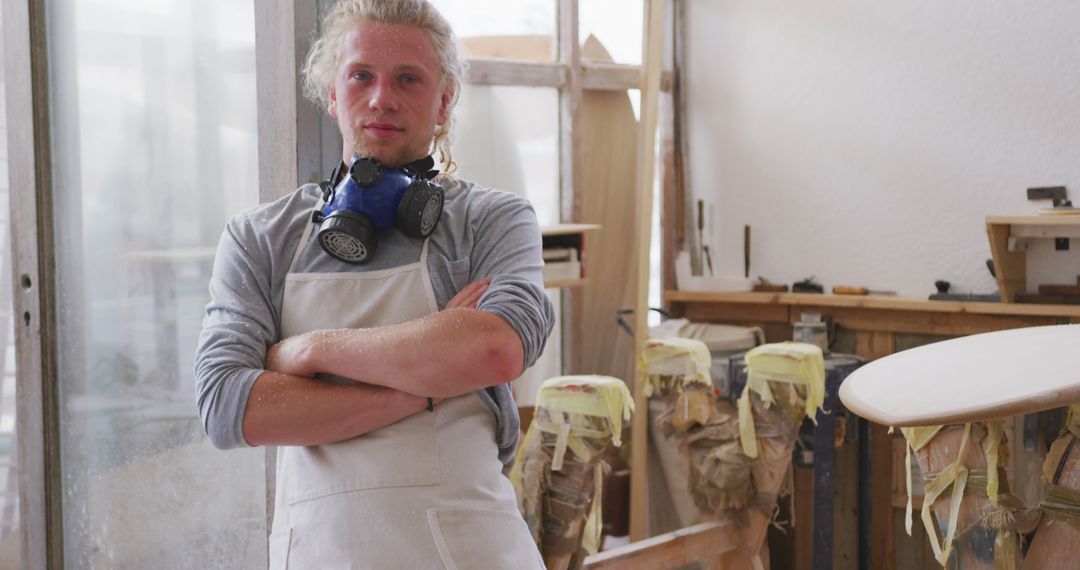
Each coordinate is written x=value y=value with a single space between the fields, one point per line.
x=746 y=251
x=706 y=253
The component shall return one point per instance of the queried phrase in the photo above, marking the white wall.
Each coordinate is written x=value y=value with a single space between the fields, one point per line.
x=865 y=142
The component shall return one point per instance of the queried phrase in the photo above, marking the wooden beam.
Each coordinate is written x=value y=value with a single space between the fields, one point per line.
x=604 y=76
x=570 y=152
x=702 y=542
x=594 y=75
x=496 y=71
x=570 y=112
x=34 y=278
x=650 y=94
x=276 y=98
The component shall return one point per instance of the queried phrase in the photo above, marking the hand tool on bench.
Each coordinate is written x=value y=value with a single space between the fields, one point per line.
x=853 y=290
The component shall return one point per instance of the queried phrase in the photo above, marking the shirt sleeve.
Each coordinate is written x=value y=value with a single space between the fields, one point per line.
x=238 y=327
x=507 y=247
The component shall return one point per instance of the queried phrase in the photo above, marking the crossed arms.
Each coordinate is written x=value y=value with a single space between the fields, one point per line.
x=396 y=368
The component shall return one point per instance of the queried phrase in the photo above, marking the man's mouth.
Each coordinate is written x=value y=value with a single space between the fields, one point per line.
x=381 y=129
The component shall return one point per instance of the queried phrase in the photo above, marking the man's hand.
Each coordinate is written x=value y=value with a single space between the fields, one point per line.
x=469 y=295
x=290 y=356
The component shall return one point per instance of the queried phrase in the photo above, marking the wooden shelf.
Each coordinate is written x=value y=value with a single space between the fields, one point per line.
x=568 y=236
x=874 y=302
x=557 y=283
x=1010 y=260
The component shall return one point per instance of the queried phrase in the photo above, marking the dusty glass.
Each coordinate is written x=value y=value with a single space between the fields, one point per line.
x=508 y=138
x=154 y=145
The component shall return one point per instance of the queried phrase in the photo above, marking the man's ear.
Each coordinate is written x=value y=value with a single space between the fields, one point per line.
x=444 y=105
x=331 y=106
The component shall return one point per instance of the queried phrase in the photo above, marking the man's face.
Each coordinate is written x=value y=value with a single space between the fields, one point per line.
x=388 y=95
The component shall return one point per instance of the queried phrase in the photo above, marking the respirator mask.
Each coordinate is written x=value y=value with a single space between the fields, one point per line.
x=372 y=197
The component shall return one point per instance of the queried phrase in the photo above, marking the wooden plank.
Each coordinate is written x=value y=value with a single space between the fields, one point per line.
x=944 y=324
x=34 y=275
x=1046 y=231
x=872 y=302
x=608 y=143
x=497 y=71
x=882 y=542
x=1009 y=266
x=874 y=344
x=607 y=76
x=568 y=229
x=672 y=550
x=276 y=98
x=678 y=54
x=804 y=517
x=570 y=172
x=650 y=92
x=570 y=112
x=1035 y=220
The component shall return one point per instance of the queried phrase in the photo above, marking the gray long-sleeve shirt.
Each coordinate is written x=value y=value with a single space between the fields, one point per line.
x=482 y=233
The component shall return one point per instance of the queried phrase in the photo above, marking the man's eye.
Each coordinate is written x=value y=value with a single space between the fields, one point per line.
x=408 y=79
x=361 y=76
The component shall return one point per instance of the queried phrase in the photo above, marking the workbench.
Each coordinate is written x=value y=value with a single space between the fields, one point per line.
x=871 y=327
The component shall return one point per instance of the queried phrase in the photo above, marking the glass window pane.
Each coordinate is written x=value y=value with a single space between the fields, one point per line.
x=486 y=23
x=498 y=145
x=9 y=476
x=617 y=24
x=154 y=138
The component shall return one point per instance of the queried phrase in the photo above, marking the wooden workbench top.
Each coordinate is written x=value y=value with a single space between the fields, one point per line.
x=873 y=302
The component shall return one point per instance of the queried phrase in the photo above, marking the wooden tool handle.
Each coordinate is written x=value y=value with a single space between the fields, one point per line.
x=849 y=290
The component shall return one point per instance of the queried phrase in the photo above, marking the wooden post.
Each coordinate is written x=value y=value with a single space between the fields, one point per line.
x=34 y=275
x=650 y=92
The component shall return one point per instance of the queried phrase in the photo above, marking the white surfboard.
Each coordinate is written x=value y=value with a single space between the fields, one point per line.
x=971 y=378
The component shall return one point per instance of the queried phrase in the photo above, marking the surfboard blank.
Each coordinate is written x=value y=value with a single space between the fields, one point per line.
x=971 y=378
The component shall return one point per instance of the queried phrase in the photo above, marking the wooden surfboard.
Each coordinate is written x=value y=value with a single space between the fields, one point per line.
x=971 y=378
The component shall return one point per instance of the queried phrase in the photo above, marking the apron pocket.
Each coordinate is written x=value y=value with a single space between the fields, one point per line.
x=403 y=454
x=483 y=539
x=279 y=550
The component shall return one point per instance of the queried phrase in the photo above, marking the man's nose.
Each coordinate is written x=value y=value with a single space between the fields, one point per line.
x=383 y=97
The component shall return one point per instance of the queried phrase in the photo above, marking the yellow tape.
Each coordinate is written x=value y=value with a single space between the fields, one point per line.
x=600 y=396
x=791 y=362
x=685 y=358
x=956 y=475
x=590 y=539
x=574 y=405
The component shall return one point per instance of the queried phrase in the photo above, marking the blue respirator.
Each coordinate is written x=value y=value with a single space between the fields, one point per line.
x=371 y=198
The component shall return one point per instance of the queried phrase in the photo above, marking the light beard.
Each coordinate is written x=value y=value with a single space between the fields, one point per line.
x=397 y=157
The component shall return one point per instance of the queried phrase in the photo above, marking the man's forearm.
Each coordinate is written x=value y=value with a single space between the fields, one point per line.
x=292 y=410
x=441 y=355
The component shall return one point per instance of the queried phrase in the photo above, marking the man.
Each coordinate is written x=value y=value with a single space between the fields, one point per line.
x=383 y=383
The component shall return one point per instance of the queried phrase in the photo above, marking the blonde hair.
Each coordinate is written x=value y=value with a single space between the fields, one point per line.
x=322 y=60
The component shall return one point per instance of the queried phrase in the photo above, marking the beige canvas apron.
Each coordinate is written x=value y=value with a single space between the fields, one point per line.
x=425 y=492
